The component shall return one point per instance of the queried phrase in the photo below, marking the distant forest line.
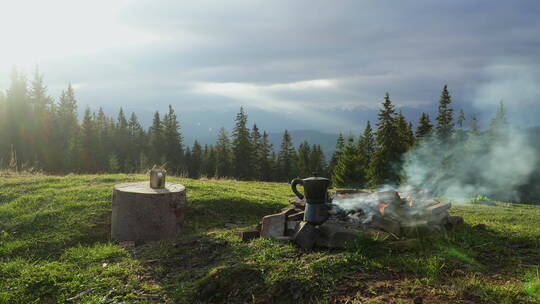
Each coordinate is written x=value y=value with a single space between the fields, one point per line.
x=38 y=132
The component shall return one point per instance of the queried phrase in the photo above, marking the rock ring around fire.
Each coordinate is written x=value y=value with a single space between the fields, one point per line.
x=141 y=214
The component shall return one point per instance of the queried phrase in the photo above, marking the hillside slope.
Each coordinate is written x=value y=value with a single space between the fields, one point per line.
x=54 y=244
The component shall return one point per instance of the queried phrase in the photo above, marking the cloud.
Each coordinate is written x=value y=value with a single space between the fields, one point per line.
x=282 y=56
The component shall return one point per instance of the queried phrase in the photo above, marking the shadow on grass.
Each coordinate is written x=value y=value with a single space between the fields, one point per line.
x=214 y=213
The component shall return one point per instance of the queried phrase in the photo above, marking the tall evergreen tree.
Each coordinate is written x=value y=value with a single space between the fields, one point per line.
x=256 y=144
x=286 y=158
x=340 y=144
x=317 y=161
x=89 y=143
x=265 y=158
x=105 y=140
x=173 y=143
x=384 y=166
x=303 y=160
x=366 y=148
x=242 y=148
x=425 y=128
x=347 y=172
x=461 y=119
x=475 y=129
x=42 y=124
x=445 y=125
x=209 y=161
x=499 y=123
x=137 y=143
x=223 y=155
x=122 y=142
x=195 y=163
x=157 y=137
x=18 y=119
x=68 y=128
x=404 y=134
x=4 y=139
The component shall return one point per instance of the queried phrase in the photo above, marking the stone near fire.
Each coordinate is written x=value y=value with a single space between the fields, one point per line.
x=453 y=222
x=387 y=224
x=291 y=207
x=292 y=225
x=437 y=208
x=141 y=213
x=439 y=218
x=298 y=216
x=273 y=225
x=249 y=234
x=306 y=235
x=334 y=235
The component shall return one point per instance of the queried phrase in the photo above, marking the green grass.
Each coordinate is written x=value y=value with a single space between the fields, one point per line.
x=54 y=244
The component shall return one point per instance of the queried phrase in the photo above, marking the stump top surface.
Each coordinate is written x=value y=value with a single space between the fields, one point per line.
x=144 y=188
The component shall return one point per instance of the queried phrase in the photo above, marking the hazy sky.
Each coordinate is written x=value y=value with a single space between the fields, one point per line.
x=280 y=57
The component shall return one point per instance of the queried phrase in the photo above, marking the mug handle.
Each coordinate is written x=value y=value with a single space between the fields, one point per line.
x=294 y=183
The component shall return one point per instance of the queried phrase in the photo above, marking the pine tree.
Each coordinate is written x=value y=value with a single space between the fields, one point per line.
x=173 y=143
x=445 y=126
x=317 y=161
x=122 y=141
x=42 y=124
x=156 y=148
x=18 y=117
x=383 y=168
x=242 y=148
x=68 y=129
x=256 y=143
x=4 y=142
x=223 y=155
x=461 y=119
x=347 y=172
x=195 y=163
x=105 y=140
x=404 y=134
x=89 y=143
x=303 y=160
x=137 y=144
x=265 y=158
x=340 y=144
x=499 y=124
x=274 y=167
x=209 y=161
x=286 y=159
x=187 y=158
x=425 y=128
x=366 y=149
x=474 y=124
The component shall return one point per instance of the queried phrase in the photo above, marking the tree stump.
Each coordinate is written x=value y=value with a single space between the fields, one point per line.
x=141 y=214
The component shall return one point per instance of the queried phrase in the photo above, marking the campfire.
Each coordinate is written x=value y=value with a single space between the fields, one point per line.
x=386 y=215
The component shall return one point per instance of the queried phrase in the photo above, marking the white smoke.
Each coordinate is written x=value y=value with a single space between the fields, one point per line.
x=491 y=164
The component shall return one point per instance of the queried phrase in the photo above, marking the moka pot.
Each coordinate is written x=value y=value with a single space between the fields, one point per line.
x=316 y=193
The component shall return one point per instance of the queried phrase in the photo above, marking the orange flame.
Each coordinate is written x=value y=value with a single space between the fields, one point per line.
x=382 y=206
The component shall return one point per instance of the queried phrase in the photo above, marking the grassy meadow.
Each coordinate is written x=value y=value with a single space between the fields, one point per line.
x=55 y=245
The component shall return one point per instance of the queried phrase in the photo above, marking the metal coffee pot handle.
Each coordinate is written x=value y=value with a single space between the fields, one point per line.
x=294 y=183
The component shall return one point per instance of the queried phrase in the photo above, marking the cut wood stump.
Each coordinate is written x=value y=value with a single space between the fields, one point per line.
x=141 y=214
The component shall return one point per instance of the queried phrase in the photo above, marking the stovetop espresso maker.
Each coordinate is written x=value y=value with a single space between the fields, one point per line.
x=316 y=193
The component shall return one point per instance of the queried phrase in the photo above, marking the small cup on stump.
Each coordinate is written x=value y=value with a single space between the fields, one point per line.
x=157 y=178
